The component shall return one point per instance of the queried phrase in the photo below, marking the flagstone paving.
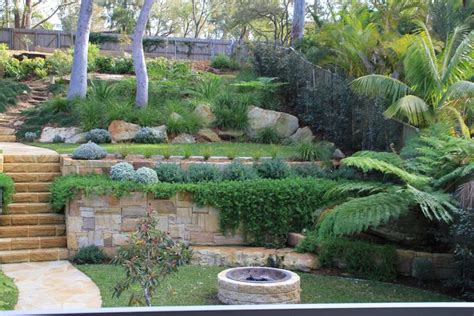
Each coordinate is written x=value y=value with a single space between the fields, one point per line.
x=52 y=285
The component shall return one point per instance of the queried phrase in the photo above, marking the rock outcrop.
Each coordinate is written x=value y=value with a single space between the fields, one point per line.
x=121 y=131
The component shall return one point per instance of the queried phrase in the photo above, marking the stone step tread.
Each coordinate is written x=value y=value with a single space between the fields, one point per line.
x=33 y=177
x=32 y=231
x=8 y=138
x=32 y=219
x=31 y=197
x=33 y=243
x=30 y=158
x=29 y=208
x=35 y=255
x=7 y=131
x=32 y=167
x=32 y=187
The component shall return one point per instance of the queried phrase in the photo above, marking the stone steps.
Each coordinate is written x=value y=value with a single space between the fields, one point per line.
x=7 y=131
x=32 y=187
x=29 y=208
x=34 y=255
x=31 y=167
x=33 y=177
x=32 y=231
x=31 y=197
x=11 y=158
x=23 y=243
x=31 y=219
x=8 y=138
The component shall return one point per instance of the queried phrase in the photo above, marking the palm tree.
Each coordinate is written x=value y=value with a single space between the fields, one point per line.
x=436 y=86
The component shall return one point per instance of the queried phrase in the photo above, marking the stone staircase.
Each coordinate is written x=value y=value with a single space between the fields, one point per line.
x=30 y=230
x=11 y=119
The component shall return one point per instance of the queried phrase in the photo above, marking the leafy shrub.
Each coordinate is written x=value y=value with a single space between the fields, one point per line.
x=189 y=123
x=273 y=169
x=59 y=63
x=98 y=136
x=8 y=290
x=222 y=61
x=146 y=176
x=203 y=172
x=208 y=88
x=90 y=255
x=379 y=265
x=91 y=114
x=58 y=139
x=238 y=172
x=170 y=172
x=31 y=136
x=264 y=91
x=230 y=111
x=267 y=135
x=320 y=151
x=89 y=151
x=308 y=170
x=122 y=171
x=146 y=136
x=8 y=187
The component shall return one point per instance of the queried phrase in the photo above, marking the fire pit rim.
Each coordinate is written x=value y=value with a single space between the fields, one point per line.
x=286 y=275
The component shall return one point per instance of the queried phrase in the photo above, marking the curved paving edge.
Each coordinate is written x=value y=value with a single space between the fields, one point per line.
x=52 y=285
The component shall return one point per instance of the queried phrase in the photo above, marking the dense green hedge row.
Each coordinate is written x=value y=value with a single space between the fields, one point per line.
x=8 y=187
x=8 y=293
x=264 y=210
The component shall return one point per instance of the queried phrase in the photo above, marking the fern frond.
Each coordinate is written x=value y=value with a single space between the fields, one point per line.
x=357 y=188
x=359 y=214
x=434 y=205
x=456 y=174
x=369 y=164
x=391 y=158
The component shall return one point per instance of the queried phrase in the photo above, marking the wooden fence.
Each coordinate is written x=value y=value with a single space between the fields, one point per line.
x=177 y=48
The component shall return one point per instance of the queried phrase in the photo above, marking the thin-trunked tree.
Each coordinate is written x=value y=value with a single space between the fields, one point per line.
x=78 y=84
x=138 y=55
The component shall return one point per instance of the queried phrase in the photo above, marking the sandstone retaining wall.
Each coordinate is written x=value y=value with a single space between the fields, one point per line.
x=107 y=221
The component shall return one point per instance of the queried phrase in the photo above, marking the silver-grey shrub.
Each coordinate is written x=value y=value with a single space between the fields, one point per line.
x=98 y=136
x=89 y=151
x=122 y=171
x=146 y=176
x=170 y=172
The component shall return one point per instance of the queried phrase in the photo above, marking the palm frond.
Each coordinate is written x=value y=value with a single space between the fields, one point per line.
x=367 y=164
x=460 y=90
x=359 y=214
x=461 y=61
x=413 y=108
x=378 y=85
x=357 y=188
x=434 y=205
x=453 y=115
x=450 y=47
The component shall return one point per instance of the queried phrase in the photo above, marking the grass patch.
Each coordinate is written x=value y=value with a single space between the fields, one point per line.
x=214 y=149
x=194 y=285
x=8 y=293
x=9 y=90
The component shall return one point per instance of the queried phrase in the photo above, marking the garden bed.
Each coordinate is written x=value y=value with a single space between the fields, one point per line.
x=8 y=293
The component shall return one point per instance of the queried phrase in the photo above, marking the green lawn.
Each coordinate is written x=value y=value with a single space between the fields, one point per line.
x=211 y=149
x=8 y=293
x=194 y=285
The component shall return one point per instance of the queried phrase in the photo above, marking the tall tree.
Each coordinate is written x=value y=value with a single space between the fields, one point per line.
x=78 y=84
x=141 y=98
x=298 y=21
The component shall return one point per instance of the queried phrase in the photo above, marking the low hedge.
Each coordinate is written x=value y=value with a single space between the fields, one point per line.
x=8 y=293
x=264 y=210
x=8 y=187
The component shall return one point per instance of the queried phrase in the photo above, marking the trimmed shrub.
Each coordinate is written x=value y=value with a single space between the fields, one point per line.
x=98 y=136
x=308 y=170
x=123 y=171
x=89 y=255
x=273 y=169
x=203 y=173
x=146 y=136
x=89 y=151
x=146 y=176
x=8 y=187
x=31 y=136
x=222 y=61
x=236 y=171
x=170 y=172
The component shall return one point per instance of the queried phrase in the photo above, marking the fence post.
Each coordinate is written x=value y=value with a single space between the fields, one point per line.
x=58 y=40
x=12 y=39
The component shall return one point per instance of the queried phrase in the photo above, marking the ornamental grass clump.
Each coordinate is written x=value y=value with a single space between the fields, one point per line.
x=89 y=151
x=98 y=136
x=148 y=257
x=123 y=171
x=146 y=175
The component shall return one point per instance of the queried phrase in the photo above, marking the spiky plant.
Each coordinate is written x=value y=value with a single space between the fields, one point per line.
x=435 y=87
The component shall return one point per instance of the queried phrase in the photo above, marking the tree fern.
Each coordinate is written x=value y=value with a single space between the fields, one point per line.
x=369 y=164
x=434 y=205
x=392 y=158
x=359 y=214
x=357 y=188
x=463 y=172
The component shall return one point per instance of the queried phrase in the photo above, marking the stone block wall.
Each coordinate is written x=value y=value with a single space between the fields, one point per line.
x=442 y=265
x=107 y=221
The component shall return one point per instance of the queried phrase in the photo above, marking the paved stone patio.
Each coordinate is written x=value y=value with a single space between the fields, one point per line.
x=52 y=285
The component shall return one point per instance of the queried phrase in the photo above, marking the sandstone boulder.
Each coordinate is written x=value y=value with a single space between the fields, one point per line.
x=205 y=113
x=284 y=124
x=302 y=135
x=121 y=131
x=67 y=133
x=77 y=139
x=230 y=134
x=338 y=154
x=209 y=135
x=184 y=139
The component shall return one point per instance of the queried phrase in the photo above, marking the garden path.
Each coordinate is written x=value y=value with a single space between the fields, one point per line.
x=52 y=285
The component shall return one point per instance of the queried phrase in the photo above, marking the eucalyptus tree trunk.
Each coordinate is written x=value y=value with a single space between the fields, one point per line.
x=298 y=21
x=78 y=83
x=141 y=98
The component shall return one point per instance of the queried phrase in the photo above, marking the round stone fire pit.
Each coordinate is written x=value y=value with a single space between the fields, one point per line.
x=255 y=285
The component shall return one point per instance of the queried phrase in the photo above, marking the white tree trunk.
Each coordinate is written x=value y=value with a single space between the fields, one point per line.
x=141 y=98
x=298 y=21
x=78 y=84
